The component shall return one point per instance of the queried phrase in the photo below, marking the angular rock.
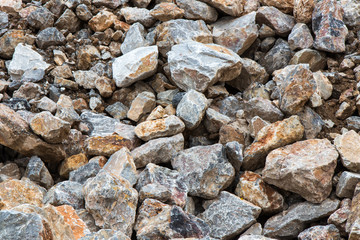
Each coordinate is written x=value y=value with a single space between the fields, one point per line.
x=274 y=18
x=41 y=18
x=10 y=6
x=307 y=168
x=117 y=110
x=353 y=122
x=320 y=232
x=197 y=10
x=228 y=215
x=303 y=10
x=206 y=170
x=300 y=37
x=348 y=145
x=235 y=131
x=347 y=183
x=197 y=66
x=286 y=6
x=106 y=234
x=263 y=108
x=141 y=3
x=176 y=31
x=65 y=110
x=143 y=103
x=311 y=121
x=86 y=55
x=65 y=193
x=106 y=145
x=81 y=174
x=71 y=218
x=236 y=34
x=136 y=65
x=85 y=79
x=278 y=57
x=215 y=120
x=72 y=163
x=135 y=38
x=351 y=15
x=109 y=3
x=252 y=188
x=141 y=15
x=233 y=8
x=10 y=170
x=156 y=151
x=102 y=21
x=162 y=184
x=339 y=217
x=328 y=26
x=312 y=57
x=290 y=223
x=166 y=11
x=46 y=104
x=37 y=172
x=83 y=12
x=271 y=137
x=256 y=124
x=10 y=40
x=69 y=21
x=234 y=153
x=104 y=199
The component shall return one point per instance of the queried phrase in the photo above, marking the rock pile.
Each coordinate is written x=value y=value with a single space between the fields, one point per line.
x=179 y=119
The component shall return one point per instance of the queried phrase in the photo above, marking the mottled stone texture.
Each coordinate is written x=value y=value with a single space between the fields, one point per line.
x=348 y=145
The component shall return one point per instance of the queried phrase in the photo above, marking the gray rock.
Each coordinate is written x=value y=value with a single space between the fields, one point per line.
x=109 y=3
x=83 y=12
x=234 y=153
x=141 y=15
x=290 y=223
x=263 y=108
x=104 y=199
x=278 y=57
x=196 y=10
x=37 y=172
x=236 y=34
x=136 y=65
x=134 y=38
x=107 y=234
x=10 y=170
x=162 y=184
x=141 y=3
x=314 y=58
x=65 y=193
x=81 y=174
x=351 y=12
x=353 y=122
x=65 y=110
x=320 y=232
x=206 y=170
x=197 y=66
x=166 y=97
x=191 y=109
x=49 y=37
x=280 y=22
x=254 y=237
x=68 y=20
x=85 y=79
x=117 y=110
x=340 y=216
x=229 y=106
x=156 y=151
x=311 y=121
x=346 y=185
x=300 y=37
x=228 y=215
x=215 y=120
x=4 y=20
x=33 y=75
x=41 y=18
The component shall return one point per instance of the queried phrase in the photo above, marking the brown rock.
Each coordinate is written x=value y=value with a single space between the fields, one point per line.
x=143 y=103
x=328 y=232
x=233 y=8
x=348 y=145
x=106 y=145
x=236 y=131
x=10 y=40
x=86 y=55
x=106 y=86
x=10 y=6
x=166 y=11
x=72 y=163
x=102 y=21
x=71 y=218
x=303 y=10
x=286 y=6
x=315 y=59
x=339 y=217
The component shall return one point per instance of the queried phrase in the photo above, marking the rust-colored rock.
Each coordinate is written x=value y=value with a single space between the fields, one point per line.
x=102 y=21
x=106 y=145
x=72 y=163
x=166 y=11
x=303 y=10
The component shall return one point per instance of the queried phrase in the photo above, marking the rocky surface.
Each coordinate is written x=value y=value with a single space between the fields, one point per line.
x=186 y=119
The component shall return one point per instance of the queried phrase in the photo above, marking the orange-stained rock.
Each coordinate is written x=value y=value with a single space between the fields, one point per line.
x=120 y=25
x=72 y=163
x=286 y=6
x=234 y=8
x=10 y=40
x=102 y=21
x=303 y=10
x=166 y=11
x=15 y=192
x=106 y=145
x=10 y=6
x=71 y=218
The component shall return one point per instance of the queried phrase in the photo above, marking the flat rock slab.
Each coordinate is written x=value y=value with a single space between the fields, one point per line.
x=228 y=215
x=348 y=145
x=307 y=168
x=197 y=66
x=290 y=223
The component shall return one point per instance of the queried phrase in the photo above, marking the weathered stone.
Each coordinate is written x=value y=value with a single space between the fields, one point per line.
x=83 y=12
x=197 y=10
x=296 y=85
x=307 y=168
x=86 y=55
x=49 y=37
x=71 y=218
x=303 y=10
x=271 y=137
x=46 y=104
x=11 y=170
x=136 y=65
x=28 y=91
x=102 y=21
x=311 y=121
x=328 y=26
x=65 y=110
x=285 y=6
x=176 y=31
x=41 y=18
x=15 y=192
x=143 y=103
x=106 y=234
x=339 y=217
x=291 y=222
x=16 y=134
x=353 y=122
x=10 y=6
x=141 y=3
x=278 y=57
x=162 y=184
x=351 y=12
x=256 y=124
x=237 y=130
x=105 y=200
x=345 y=110
x=348 y=145
x=255 y=237
x=160 y=150
x=65 y=193
x=37 y=172
x=69 y=21
x=300 y=37
x=117 y=110
x=312 y=57
x=232 y=8
x=157 y=220
x=84 y=172
x=135 y=38
x=280 y=22
x=109 y=3
x=347 y=183
x=72 y=163
x=166 y=11
x=236 y=34
x=320 y=233
x=263 y=108
x=10 y=40
x=141 y=15
x=215 y=120
x=234 y=153
x=197 y=66
x=253 y=189
x=206 y=170
x=228 y=215
x=255 y=229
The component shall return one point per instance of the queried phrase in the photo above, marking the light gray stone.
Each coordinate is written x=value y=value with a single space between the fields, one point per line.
x=346 y=185
x=65 y=193
x=37 y=172
x=135 y=38
x=197 y=10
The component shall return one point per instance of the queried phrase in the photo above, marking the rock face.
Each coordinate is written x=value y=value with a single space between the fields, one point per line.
x=228 y=215
x=65 y=193
x=194 y=10
x=232 y=8
x=347 y=184
x=278 y=56
x=303 y=10
x=348 y=147
x=307 y=168
x=197 y=66
x=206 y=170
x=328 y=26
x=320 y=232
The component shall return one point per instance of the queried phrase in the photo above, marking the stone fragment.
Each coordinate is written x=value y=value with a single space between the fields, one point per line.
x=86 y=79
x=255 y=237
x=345 y=110
x=10 y=170
x=274 y=18
x=197 y=66
x=86 y=55
x=197 y=10
x=228 y=215
x=236 y=34
x=278 y=57
x=252 y=188
x=255 y=229
x=141 y=3
x=353 y=122
x=162 y=184
x=71 y=218
x=106 y=234
x=215 y=120
x=339 y=217
x=348 y=146
x=106 y=145
x=286 y=6
x=300 y=37
x=312 y=57
x=65 y=193
x=346 y=185
x=134 y=38
x=83 y=12
x=10 y=40
x=351 y=12
x=206 y=170
x=105 y=86
x=15 y=192
x=69 y=21
x=41 y=18
x=296 y=85
x=237 y=130
x=166 y=11
x=10 y=6
x=233 y=8
x=37 y=172
x=320 y=232
x=328 y=26
x=109 y=3
x=102 y=21
x=143 y=103
x=28 y=91
x=46 y=104
x=141 y=15
x=303 y=10
x=157 y=220
x=273 y=136
x=65 y=110
x=176 y=31
x=136 y=65
x=289 y=223
x=49 y=37
x=256 y=124
x=117 y=110
x=311 y=121
x=84 y=172
x=234 y=153
x=263 y=108
x=307 y=168
x=105 y=200
x=72 y=163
